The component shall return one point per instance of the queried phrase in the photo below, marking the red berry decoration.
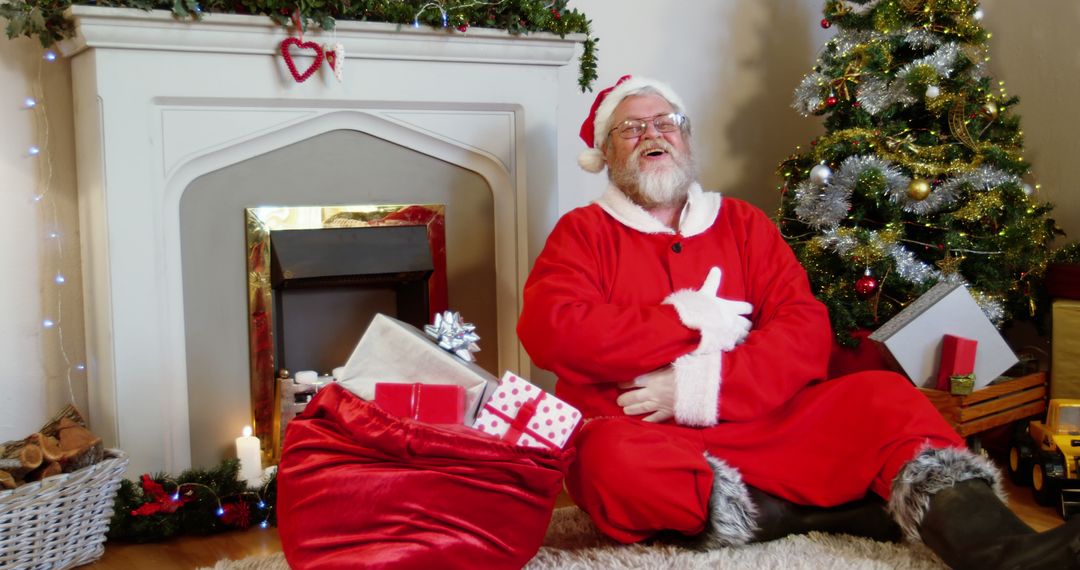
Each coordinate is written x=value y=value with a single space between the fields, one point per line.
x=831 y=100
x=865 y=286
x=825 y=23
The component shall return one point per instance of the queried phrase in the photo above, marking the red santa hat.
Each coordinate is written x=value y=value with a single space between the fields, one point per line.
x=595 y=129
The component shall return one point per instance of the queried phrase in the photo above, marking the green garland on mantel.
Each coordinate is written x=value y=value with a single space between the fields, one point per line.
x=44 y=19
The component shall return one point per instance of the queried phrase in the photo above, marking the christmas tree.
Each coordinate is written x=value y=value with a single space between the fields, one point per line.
x=920 y=176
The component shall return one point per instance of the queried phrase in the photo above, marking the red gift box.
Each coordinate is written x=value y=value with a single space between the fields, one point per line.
x=431 y=403
x=957 y=359
x=522 y=413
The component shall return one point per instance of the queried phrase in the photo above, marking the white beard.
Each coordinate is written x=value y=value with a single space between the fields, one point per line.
x=666 y=186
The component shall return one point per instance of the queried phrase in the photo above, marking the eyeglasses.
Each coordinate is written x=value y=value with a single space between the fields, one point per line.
x=633 y=128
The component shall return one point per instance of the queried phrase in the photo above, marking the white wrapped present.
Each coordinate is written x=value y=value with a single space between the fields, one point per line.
x=395 y=352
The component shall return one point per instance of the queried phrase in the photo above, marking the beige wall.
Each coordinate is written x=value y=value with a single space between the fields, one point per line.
x=34 y=371
x=1035 y=50
x=735 y=62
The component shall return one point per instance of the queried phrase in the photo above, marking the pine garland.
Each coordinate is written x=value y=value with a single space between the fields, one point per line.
x=197 y=502
x=44 y=19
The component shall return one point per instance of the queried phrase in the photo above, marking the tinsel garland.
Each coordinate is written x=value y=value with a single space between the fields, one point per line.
x=44 y=19
x=197 y=502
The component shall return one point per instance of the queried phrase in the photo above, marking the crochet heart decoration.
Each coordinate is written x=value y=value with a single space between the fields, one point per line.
x=301 y=77
x=335 y=58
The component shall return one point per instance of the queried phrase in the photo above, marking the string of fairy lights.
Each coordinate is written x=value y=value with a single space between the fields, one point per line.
x=444 y=11
x=52 y=320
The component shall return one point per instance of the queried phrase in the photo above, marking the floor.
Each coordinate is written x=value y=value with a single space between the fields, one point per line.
x=193 y=552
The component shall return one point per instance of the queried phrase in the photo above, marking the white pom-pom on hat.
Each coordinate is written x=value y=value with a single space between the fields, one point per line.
x=591 y=160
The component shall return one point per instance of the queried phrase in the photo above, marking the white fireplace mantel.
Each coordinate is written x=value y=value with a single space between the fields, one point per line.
x=159 y=103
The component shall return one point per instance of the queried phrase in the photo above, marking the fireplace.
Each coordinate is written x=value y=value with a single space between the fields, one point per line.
x=318 y=275
x=181 y=126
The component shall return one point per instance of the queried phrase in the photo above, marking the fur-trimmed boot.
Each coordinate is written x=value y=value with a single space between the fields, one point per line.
x=777 y=518
x=952 y=500
x=739 y=514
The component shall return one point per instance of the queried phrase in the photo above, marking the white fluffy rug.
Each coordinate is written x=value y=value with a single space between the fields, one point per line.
x=573 y=543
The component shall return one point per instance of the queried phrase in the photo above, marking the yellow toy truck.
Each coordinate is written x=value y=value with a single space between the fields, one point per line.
x=1047 y=455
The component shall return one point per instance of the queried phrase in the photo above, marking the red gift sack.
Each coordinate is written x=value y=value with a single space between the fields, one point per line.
x=360 y=488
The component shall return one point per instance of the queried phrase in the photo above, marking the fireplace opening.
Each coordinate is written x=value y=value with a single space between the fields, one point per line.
x=317 y=275
x=340 y=178
x=327 y=284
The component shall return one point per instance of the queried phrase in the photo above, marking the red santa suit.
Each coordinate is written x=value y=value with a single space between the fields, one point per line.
x=602 y=307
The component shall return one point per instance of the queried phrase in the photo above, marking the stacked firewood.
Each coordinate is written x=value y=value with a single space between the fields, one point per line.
x=62 y=445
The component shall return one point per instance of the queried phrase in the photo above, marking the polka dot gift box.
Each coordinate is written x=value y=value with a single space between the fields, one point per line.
x=520 y=412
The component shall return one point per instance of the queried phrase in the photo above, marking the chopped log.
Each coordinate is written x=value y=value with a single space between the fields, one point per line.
x=50 y=446
x=31 y=456
x=27 y=456
x=7 y=480
x=10 y=463
x=79 y=446
x=47 y=469
x=65 y=417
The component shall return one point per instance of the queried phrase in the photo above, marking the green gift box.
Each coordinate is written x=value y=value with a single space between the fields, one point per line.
x=961 y=385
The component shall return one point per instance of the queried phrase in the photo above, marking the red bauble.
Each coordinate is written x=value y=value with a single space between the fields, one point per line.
x=865 y=286
x=825 y=23
x=463 y=28
x=831 y=100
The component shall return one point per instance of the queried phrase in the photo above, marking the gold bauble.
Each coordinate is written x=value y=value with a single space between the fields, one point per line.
x=990 y=110
x=919 y=189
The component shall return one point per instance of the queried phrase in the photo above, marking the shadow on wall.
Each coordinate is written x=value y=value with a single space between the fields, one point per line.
x=764 y=128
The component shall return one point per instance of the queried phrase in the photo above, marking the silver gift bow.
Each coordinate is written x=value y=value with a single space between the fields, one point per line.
x=454 y=335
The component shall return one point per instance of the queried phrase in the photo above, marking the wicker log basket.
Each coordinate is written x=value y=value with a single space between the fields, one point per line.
x=60 y=521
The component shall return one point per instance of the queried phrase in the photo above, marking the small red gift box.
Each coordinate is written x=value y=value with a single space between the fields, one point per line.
x=520 y=412
x=957 y=359
x=432 y=403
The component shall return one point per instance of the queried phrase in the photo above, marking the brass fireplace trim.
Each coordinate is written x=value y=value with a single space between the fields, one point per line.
x=259 y=223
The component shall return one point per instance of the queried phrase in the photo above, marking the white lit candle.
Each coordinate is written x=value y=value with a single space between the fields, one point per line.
x=250 y=456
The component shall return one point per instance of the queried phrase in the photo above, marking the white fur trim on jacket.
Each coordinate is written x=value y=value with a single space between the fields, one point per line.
x=698 y=214
x=698 y=374
x=930 y=471
x=697 y=389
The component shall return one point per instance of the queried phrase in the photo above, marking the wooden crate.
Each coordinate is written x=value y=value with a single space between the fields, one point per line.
x=995 y=405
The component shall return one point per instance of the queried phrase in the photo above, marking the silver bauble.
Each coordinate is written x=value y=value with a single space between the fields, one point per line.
x=821 y=174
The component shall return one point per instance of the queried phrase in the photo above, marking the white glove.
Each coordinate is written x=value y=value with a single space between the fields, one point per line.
x=720 y=321
x=655 y=393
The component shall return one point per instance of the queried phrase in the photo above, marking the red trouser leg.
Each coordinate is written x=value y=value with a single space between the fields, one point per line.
x=634 y=478
x=831 y=444
x=834 y=441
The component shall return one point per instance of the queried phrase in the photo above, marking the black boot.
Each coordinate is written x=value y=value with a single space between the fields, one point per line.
x=951 y=500
x=969 y=527
x=777 y=518
x=739 y=514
